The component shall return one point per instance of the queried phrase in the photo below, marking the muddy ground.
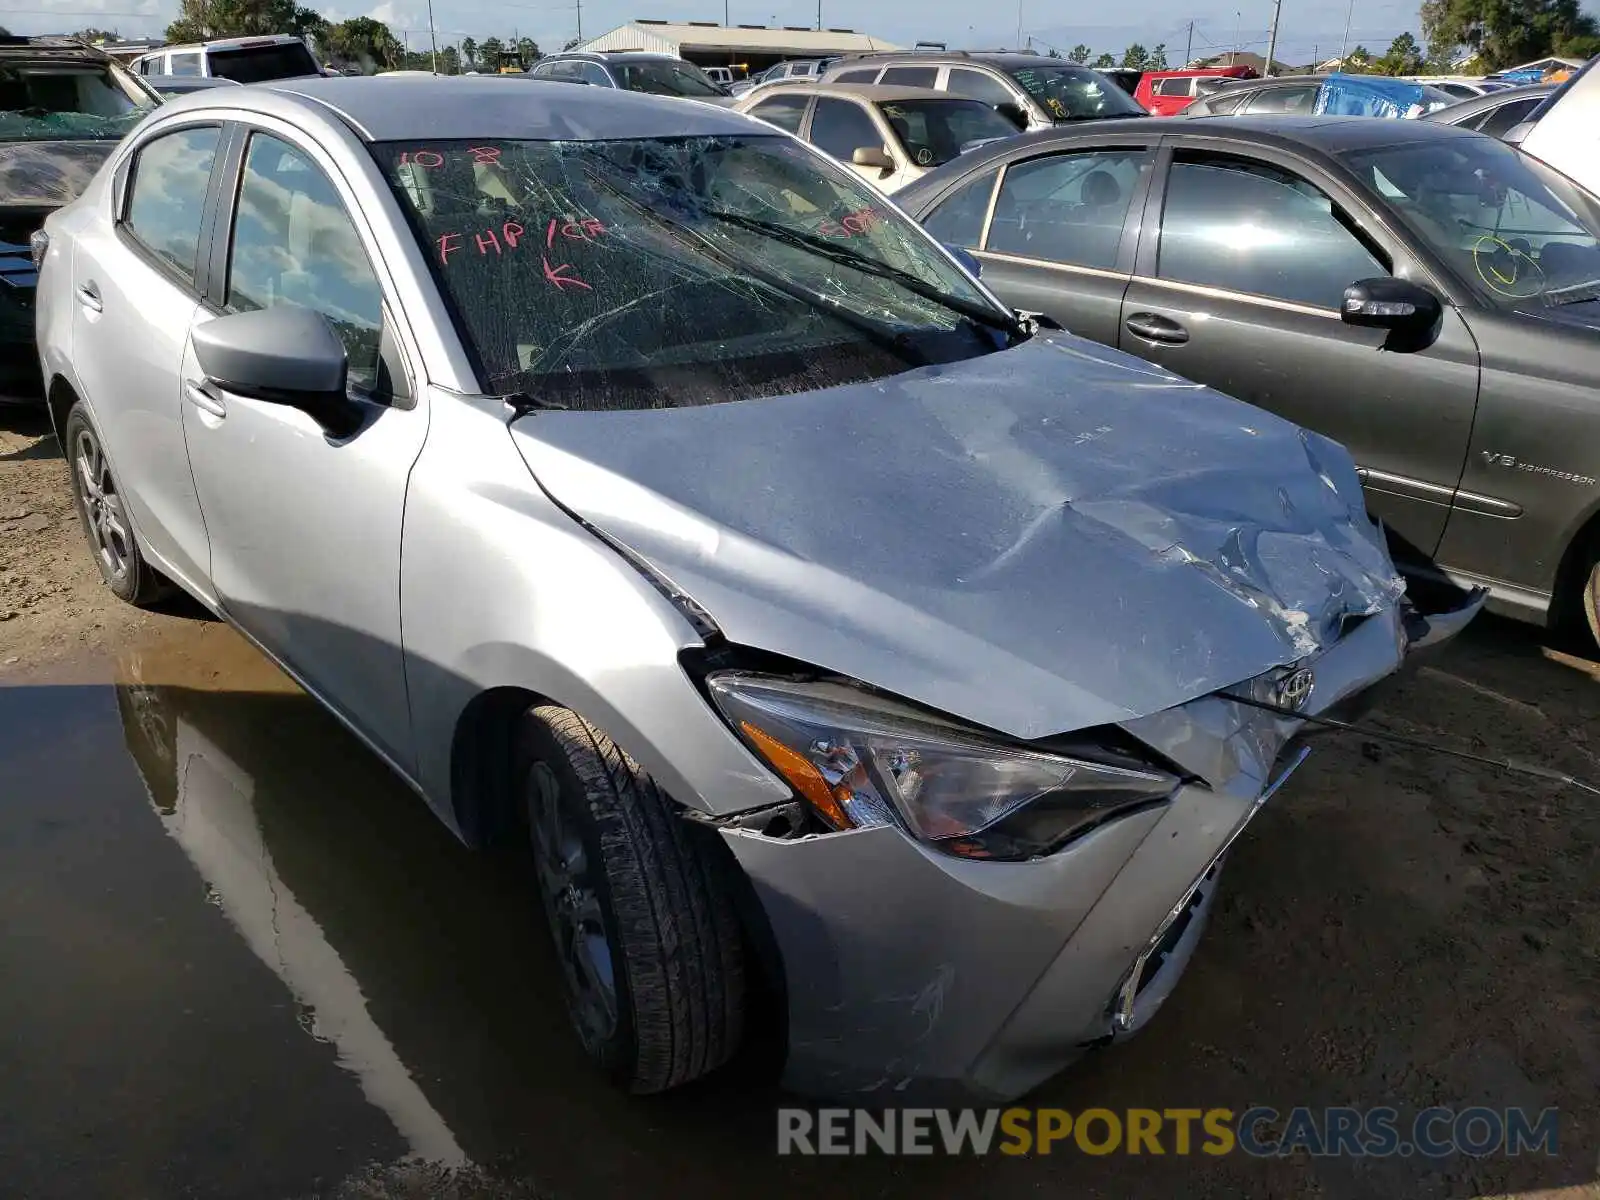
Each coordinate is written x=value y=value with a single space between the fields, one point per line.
x=1395 y=929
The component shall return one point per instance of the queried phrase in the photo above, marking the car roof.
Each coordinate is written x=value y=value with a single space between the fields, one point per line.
x=878 y=93
x=611 y=55
x=449 y=107
x=1006 y=60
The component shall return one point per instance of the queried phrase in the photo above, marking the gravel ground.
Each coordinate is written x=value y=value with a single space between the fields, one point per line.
x=1396 y=928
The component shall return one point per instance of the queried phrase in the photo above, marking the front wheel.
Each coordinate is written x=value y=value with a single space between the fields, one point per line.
x=639 y=905
x=1591 y=606
x=103 y=511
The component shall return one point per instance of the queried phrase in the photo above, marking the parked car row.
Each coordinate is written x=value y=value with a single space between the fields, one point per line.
x=949 y=662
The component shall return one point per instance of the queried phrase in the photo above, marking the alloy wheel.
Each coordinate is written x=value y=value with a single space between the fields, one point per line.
x=103 y=511
x=569 y=884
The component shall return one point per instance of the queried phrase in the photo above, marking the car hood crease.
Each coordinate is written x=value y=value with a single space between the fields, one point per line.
x=1038 y=540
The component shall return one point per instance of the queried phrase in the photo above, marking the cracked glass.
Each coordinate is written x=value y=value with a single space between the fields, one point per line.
x=672 y=272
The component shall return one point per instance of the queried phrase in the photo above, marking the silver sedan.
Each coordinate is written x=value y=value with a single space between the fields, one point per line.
x=633 y=479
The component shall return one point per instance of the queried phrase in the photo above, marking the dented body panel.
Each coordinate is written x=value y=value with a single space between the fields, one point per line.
x=1108 y=538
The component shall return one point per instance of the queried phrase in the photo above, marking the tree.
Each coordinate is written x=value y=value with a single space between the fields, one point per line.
x=1157 y=58
x=469 y=52
x=1105 y=60
x=1053 y=53
x=93 y=36
x=1506 y=32
x=571 y=42
x=1134 y=56
x=529 y=49
x=1404 y=57
x=1357 y=62
x=1079 y=53
x=491 y=50
x=363 y=41
x=201 y=20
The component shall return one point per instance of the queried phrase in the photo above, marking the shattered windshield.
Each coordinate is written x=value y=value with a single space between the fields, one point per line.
x=680 y=271
x=661 y=77
x=1070 y=93
x=1520 y=233
x=55 y=100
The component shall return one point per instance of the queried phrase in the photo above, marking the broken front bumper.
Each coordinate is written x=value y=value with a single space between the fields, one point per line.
x=911 y=973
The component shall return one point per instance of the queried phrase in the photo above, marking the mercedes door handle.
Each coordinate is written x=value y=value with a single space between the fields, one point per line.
x=1154 y=328
x=202 y=398
x=89 y=297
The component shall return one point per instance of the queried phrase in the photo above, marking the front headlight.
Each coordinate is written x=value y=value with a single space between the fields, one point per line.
x=860 y=761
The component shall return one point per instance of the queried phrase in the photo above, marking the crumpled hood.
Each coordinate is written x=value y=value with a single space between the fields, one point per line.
x=48 y=174
x=1037 y=540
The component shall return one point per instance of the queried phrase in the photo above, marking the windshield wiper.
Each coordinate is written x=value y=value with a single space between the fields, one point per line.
x=868 y=265
x=1573 y=293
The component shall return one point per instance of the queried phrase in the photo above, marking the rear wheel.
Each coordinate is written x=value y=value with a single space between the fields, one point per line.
x=639 y=906
x=1591 y=606
x=104 y=514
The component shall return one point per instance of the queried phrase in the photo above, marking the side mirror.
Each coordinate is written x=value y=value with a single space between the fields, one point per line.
x=1515 y=135
x=872 y=156
x=1013 y=113
x=1387 y=303
x=285 y=355
x=966 y=258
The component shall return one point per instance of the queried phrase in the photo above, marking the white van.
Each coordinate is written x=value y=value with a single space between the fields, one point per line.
x=243 y=60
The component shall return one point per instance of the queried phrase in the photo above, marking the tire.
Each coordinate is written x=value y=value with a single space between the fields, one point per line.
x=104 y=516
x=640 y=908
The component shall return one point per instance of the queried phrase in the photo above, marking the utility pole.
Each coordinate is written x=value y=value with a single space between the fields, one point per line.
x=1188 y=46
x=433 y=38
x=724 y=14
x=1019 y=24
x=819 y=16
x=580 y=20
x=1233 y=59
x=1272 y=38
x=1344 y=46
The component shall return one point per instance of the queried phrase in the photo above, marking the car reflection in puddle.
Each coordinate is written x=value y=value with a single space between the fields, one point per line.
x=419 y=970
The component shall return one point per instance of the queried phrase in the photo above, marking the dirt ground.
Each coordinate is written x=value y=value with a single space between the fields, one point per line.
x=1396 y=928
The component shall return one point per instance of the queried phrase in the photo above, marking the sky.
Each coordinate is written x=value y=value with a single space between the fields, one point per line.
x=1306 y=27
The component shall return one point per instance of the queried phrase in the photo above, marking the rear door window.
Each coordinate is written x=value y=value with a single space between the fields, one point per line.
x=1174 y=87
x=167 y=196
x=857 y=76
x=1068 y=208
x=184 y=64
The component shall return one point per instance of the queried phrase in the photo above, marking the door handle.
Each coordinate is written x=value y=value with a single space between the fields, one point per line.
x=1155 y=328
x=199 y=395
x=89 y=296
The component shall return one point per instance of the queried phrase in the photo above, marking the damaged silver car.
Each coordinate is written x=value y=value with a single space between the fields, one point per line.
x=636 y=481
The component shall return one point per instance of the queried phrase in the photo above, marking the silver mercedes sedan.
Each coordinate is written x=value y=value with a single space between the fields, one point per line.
x=636 y=481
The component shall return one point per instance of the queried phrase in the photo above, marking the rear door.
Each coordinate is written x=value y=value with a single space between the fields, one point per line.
x=137 y=280
x=1052 y=230
x=1238 y=284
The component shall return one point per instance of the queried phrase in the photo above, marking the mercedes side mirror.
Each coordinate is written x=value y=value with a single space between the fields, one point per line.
x=1388 y=303
x=284 y=355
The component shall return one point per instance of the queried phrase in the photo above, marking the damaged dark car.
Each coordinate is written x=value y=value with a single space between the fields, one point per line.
x=63 y=107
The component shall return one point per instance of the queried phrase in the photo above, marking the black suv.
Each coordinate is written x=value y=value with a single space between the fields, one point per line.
x=63 y=107
x=632 y=71
x=1034 y=91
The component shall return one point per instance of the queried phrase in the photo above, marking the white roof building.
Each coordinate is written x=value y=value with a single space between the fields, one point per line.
x=702 y=39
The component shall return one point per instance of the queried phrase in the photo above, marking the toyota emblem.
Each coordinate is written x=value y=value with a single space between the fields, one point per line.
x=1294 y=689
